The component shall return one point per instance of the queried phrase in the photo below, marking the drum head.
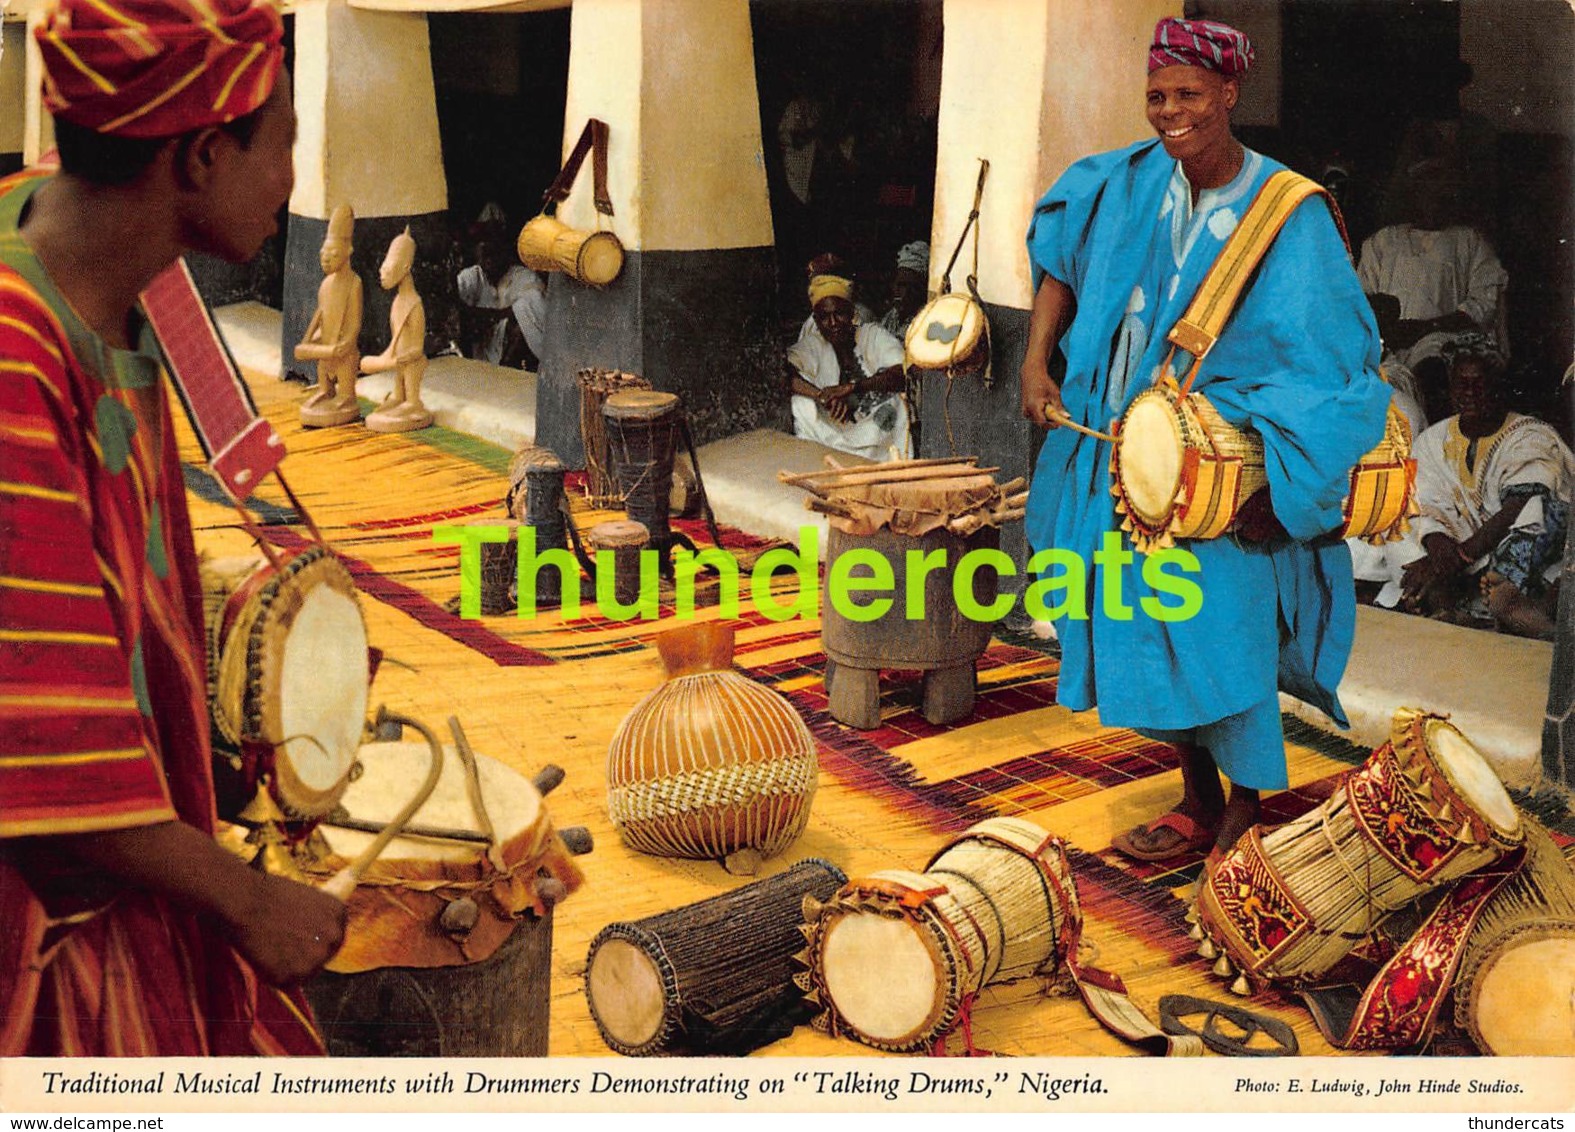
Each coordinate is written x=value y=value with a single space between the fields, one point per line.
x=1148 y=453
x=600 y=259
x=946 y=332
x=640 y=404
x=626 y=993
x=1523 y=1003
x=883 y=976
x=1472 y=777
x=618 y=532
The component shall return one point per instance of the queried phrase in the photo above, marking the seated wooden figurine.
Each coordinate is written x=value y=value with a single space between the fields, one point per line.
x=401 y=410
x=330 y=339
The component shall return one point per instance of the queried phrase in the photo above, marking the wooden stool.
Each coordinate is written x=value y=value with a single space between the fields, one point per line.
x=944 y=644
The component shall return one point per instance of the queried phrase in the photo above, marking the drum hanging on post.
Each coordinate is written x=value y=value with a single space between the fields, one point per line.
x=950 y=334
x=642 y=437
x=431 y=965
x=1288 y=903
x=894 y=957
x=596 y=385
x=1515 y=990
x=548 y=244
x=288 y=679
x=713 y=977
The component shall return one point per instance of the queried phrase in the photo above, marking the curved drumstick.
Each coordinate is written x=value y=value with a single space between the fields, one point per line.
x=343 y=883
x=1065 y=421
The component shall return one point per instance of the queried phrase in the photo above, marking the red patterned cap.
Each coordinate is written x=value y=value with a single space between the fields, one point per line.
x=1200 y=43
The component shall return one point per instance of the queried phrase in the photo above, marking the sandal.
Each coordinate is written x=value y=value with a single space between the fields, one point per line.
x=1175 y=1008
x=1191 y=837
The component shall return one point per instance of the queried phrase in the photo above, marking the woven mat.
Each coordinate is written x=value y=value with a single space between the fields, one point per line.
x=534 y=691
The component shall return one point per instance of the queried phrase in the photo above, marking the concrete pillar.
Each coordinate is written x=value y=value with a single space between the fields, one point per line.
x=38 y=127
x=13 y=91
x=675 y=82
x=367 y=136
x=1031 y=86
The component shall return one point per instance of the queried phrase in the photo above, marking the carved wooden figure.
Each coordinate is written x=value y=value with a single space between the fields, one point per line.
x=401 y=410
x=331 y=337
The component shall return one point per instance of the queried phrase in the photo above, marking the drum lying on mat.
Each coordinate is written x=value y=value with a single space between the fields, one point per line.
x=1515 y=989
x=1289 y=903
x=1180 y=470
x=949 y=333
x=433 y=921
x=288 y=675
x=894 y=957
x=711 y=977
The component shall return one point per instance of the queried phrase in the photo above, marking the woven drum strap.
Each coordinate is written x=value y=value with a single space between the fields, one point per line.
x=242 y=447
x=689 y=791
x=1200 y=327
x=1105 y=995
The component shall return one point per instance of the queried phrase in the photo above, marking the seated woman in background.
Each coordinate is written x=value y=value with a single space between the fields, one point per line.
x=1494 y=487
x=847 y=378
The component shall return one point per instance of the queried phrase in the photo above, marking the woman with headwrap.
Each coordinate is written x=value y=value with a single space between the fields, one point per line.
x=910 y=284
x=127 y=929
x=847 y=377
x=1119 y=247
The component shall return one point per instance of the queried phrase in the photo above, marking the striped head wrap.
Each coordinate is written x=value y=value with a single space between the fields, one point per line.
x=829 y=287
x=1200 y=43
x=158 y=68
x=1476 y=345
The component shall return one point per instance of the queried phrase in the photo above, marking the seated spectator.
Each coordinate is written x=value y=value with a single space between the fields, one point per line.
x=846 y=377
x=1445 y=275
x=1494 y=487
x=910 y=287
x=503 y=306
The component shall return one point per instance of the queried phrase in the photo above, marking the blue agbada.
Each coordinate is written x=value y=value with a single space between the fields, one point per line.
x=1298 y=362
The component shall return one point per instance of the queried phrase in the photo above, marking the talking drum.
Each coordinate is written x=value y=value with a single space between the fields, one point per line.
x=713 y=977
x=895 y=957
x=950 y=333
x=710 y=763
x=288 y=677
x=436 y=961
x=536 y=500
x=1289 y=903
x=1515 y=989
x=548 y=244
x=642 y=436
x=1180 y=470
x=596 y=385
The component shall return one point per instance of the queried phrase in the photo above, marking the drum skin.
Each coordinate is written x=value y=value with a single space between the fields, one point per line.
x=710 y=762
x=949 y=333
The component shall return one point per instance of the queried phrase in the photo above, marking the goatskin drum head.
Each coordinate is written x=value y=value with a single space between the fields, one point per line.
x=1148 y=452
x=600 y=259
x=626 y=992
x=1472 y=777
x=881 y=974
x=1524 y=1000
x=945 y=332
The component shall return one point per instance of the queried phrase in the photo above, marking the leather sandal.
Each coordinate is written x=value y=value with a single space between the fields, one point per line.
x=1192 y=835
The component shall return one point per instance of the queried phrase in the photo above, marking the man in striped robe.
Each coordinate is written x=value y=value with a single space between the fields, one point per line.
x=124 y=928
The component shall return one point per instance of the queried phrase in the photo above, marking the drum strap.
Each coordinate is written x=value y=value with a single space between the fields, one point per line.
x=1200 y=327
x=593 y=140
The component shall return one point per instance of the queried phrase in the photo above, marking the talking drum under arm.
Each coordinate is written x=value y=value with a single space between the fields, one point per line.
x=1180 y=470
x=896 y=957
x=713 y=977
x=439 y=958
x=1287 y=904
x=288 y=677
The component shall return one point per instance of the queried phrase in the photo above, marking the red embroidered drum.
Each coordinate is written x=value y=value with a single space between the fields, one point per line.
x=288 y=677
x=1289 y=903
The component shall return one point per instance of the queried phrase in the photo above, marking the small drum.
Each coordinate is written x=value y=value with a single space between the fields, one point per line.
x=1515 y=989
x=498 y=568
x=548 y=244
x=894 y=957
x=1180 y=470
x=625 y=540
x=642 y=436
x=1289 y=903
x=536 y=499
x=713 y=977
x=950 y=333
x=288 y=679
x=438 y=905
x=596 y=385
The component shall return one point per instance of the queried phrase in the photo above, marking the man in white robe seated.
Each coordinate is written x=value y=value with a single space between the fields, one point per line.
x=504 y=308
x=847 y=377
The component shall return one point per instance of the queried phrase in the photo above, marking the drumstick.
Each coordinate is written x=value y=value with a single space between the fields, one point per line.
x=878 y=474
x=439 y=833
x=828 y=507
x=836 y=470
x=343 y=883
x=1065 y=421
x=473 y=788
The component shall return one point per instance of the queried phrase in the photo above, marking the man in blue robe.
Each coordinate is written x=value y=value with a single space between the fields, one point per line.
x=1119 y=247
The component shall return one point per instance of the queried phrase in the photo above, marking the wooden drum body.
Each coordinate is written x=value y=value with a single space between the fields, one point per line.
x=1515 y=989
x=894 y=957
x=642 y=436
x=1289 y=903
x=710 y=763
x=548 y=244
x=713 y=977
x=596 y=385
x=288 y=679
x=430 y=959
x=943 y=644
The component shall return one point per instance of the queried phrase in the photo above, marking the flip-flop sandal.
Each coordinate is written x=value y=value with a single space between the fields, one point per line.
x=1175 y=1008
x=1193 y=838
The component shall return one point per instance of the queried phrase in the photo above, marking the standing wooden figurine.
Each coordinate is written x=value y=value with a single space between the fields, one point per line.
x=401 y=410
x=336 y=324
